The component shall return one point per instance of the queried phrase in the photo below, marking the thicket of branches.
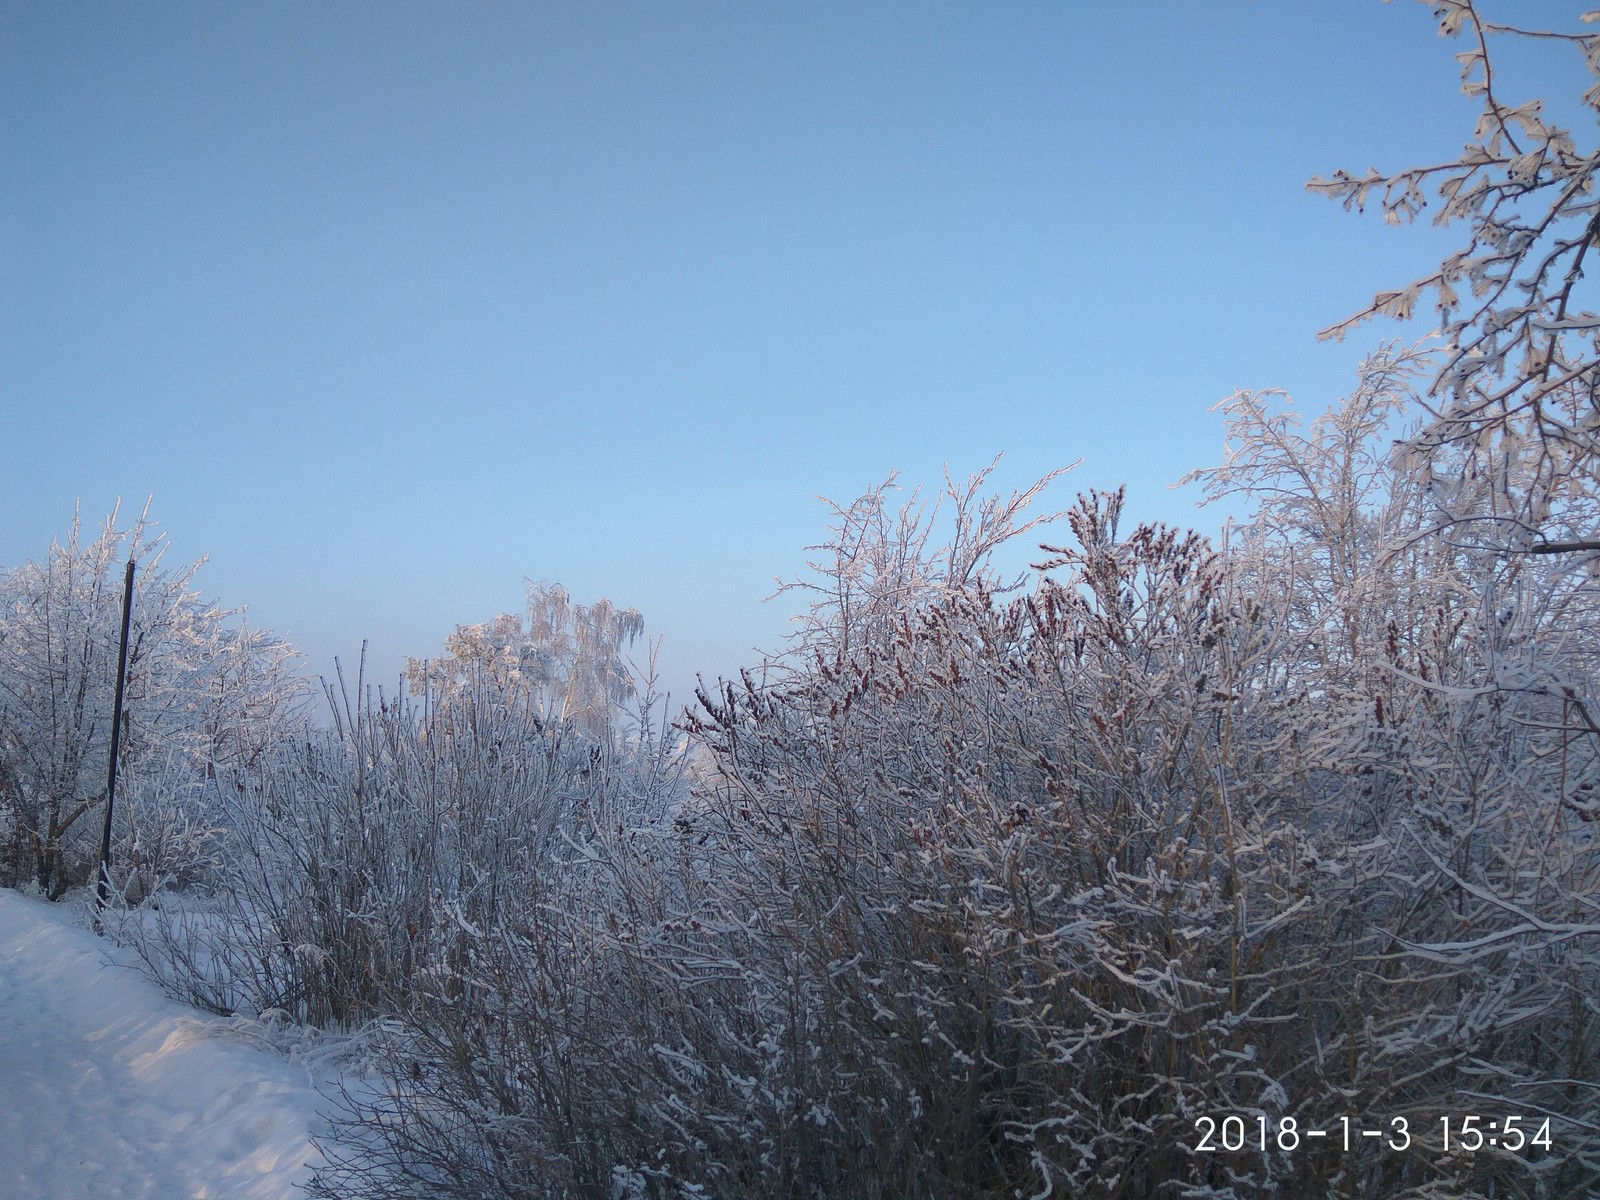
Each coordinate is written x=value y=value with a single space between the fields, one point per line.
x=987 y=886
x=999 y=892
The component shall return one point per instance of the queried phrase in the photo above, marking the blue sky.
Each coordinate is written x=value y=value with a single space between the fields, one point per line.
x=392 y=305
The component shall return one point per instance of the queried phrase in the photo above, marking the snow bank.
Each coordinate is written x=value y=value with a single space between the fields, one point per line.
x=110 y=1089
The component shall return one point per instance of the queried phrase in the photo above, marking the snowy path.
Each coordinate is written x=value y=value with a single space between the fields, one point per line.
x=111 y=1091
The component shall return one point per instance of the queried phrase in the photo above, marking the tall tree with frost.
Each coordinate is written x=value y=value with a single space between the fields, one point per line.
x=1518 y=382
x=569 y=661
x=204 y=691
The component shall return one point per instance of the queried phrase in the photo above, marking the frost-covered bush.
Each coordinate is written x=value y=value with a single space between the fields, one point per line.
x=166 y=832
x=513 y=1032
x=930 y=930
x=1452 y=683
x=517 y=1069
x=365 y=856
x=1005 y=888
x=1010 y=895
x=997 y=892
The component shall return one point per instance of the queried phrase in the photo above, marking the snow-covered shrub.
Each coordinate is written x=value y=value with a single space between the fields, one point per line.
x=517 y=1042
x=997 y=892
x=166 y=833
x=1004 y=888
x=1450 y=685
x=1010 y=894
x=362 y=855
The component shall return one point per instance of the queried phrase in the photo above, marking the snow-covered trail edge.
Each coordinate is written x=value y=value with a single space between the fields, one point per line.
x=110 y=1089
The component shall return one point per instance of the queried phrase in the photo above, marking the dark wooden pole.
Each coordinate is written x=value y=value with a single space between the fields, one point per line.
x=116 y=739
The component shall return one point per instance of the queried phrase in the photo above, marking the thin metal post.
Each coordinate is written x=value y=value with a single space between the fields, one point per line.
x=116 y=739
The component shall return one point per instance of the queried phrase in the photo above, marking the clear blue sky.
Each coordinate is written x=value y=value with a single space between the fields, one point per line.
x=391 y=305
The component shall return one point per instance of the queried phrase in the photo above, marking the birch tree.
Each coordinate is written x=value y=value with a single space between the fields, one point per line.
x=568 y=661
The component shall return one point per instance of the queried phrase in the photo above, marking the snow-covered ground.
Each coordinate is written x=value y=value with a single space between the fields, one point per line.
x=111 y=1091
